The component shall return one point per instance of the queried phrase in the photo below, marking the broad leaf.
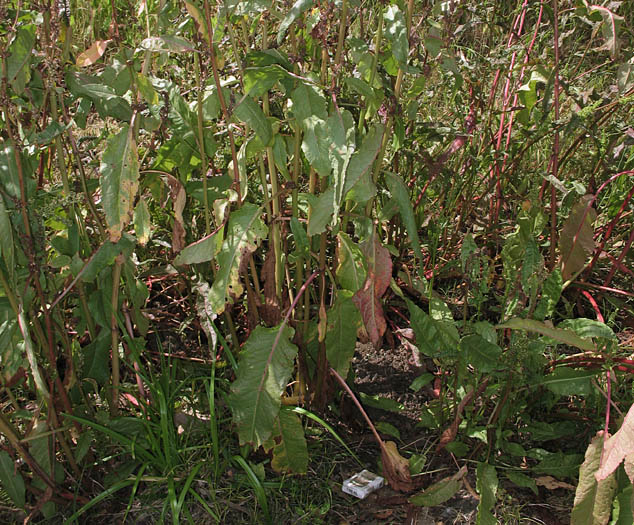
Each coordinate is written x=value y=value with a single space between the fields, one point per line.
x=290 y=453
x=396 y=33
x=166 y=44
x=341 y=336
x=567 y=337
x=487 y=486
x=593 y=499
x=119 y=181
x=321 y=209
x=482 y=355
x=11 y=479
x=401 y=195
x=576 y=241
x=342 y=143
x=298 y=8
x=245 y=231
x=249 y=111
x=618 y=447
x=565 y=381
x=142 y=223
x=198 y=252
x=310 y=110
x=551 y=292
x=20 y=52
x=93 y=53
x=367 y=299
x=265 y=366
x=362 y=161
x=437 y=493
x=351 y=269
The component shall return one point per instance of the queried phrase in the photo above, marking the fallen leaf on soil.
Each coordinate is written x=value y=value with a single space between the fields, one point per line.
x=396 y=468
x=551 y=483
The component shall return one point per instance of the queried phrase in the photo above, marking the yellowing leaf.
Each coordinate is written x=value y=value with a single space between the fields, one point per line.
x=93 y=53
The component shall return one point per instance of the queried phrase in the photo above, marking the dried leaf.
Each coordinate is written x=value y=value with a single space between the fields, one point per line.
x=618 y=447
x=576 y=241
x=93 y=53
x=179 y=197
x=552 y=483
x=396 y=468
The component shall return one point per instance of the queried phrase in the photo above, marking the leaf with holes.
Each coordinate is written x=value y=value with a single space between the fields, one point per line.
x=245 y=231
x=265 y=366
x=576 y=241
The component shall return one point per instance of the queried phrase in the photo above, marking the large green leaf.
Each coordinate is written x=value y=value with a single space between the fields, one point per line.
x=342 y=144
x=290 y=453
x=106 y=100
x=487 y=486
x=20 y=52
x=593 y=499
x=479 y=353
x=434 y=338
x=321 y=209
x=11 y=479
x=245 y=231
x=310 y=110
x=565 y=381
x=266 y=364
x=352 y=269
x=199 y=251
x=341 y=335
x=362 y=161
x=396 y=33
x=251 y=113
x=7 y=250
x=437 y=493
x=399 y=192
x=119 y=181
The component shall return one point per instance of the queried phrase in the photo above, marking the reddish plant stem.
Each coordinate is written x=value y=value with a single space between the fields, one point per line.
x=620 y=258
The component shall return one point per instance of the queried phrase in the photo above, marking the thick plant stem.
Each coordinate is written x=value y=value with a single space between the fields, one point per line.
x=114 y=335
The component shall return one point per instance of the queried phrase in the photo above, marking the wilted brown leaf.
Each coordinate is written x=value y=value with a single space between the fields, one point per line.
x=93 y=53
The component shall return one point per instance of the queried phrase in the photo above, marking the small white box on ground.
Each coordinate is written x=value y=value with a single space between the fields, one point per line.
x=362 y=484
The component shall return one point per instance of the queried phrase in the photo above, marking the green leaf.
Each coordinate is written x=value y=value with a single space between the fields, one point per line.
x=11 y=479
x=396 y=33
x=198 y=252
x=401 y=195
x=522 y=480
x=7 y=250
x=107 y=102
x=290 y=453
x=20 y=52
x=563 y=336
x=321 y=209
x=298 y=8
x=437 y=493
x=119 y=181
x=310 y=110
x=352 y=269
x=259 y=80
x=559 y=465
x=249 y=111
x=565 y=381
x=421 y=381
x=362 y=161
x=593 y=499
x=106 y=255
x=576 y=241
x=380 y=402
x=589 y=328
x=625 y=76
x=429 y=337
x=265 y=366
x=389 y=429
x=341 y=131
x=551 y=293
x=487 y=486
x=302 y=243
x=95 y=359
x=482 y=355
x=245 y=231
x=341 y=336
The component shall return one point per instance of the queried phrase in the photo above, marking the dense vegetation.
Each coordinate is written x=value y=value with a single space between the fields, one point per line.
x=204 y=208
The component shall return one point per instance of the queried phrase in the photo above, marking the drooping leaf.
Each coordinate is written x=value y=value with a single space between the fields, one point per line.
x=341 y=131
x=104 y=97
x=625 y=76
x=93 y=53
x=487 y=486
x=400 y=194
x=576 y=241
x=396 y=33
x=11 y=479
x=290 y=453
x=618 y=447
x=593 y=499
x=245 y=231
x=264 y=369
x=200 y=251
x=341 y=336
x=362 y=161
x=351 y=270
x=567 y=337
x=119 y=181
x=298 y=8
x=250 y=112
x=610 y=28
x=377 y=281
